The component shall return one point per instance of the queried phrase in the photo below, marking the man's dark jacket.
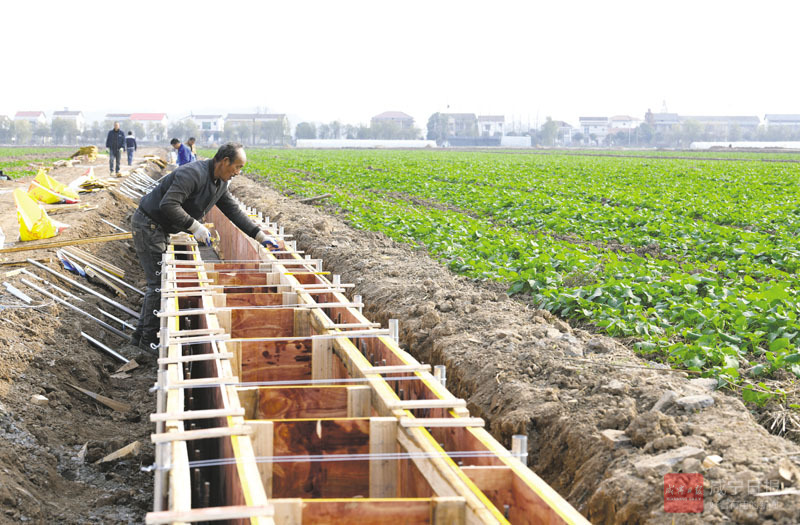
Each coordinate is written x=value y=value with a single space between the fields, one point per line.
x=115 y=140
x=187 y=194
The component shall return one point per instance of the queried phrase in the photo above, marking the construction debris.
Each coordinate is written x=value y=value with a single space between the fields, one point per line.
x=66 y=242
x=39 y=400
x=107 y=401
x=128 y=450
x=89 y=151
x=17 y=293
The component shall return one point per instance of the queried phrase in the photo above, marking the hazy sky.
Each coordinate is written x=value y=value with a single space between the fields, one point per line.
x=350 y=60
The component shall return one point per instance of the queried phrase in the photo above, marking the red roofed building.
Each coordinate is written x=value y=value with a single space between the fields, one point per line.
x=34 y=117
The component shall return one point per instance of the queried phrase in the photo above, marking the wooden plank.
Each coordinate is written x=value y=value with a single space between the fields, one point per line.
x=431 y=422
x=363 y=511
x=415 y=404
x=22 y=247
x=449 y=511
x=209 y=514
x=288 y=511
x=383 y=473
x=398 y=369
x=321 y=359
x=197 y=414
x=263 y=439
x=303 y=402
x=248 y=398
x=329 y=479
x=206 y=433
x=359 y=401
x=490 y=478
x=194 y=358
x=238 y=299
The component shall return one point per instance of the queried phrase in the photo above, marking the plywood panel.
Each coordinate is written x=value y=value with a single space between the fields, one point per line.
x=333 y=479
x=262 y=323
x=367 y=512
x=276 y=361
x=302 y=402
x=253 y=299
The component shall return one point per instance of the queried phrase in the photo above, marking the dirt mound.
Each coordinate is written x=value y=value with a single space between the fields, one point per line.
x=604 y=427
x=48 y=451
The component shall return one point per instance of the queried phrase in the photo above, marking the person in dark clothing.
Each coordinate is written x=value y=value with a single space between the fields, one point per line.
x=115 y=142
x=184 y=153
x=178 y=204
x=130 y=146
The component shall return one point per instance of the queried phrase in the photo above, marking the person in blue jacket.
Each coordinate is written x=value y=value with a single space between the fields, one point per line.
x=184 y=153
x=130 y=146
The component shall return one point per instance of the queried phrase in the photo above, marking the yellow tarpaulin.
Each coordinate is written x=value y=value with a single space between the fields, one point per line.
x=33 y=220
x=46 y=189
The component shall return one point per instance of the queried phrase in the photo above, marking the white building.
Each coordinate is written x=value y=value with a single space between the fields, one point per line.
x=34 y=117
x=597 y=126
x=75 y=116
x=774 y=120
x=623 y=122
x=491 y=125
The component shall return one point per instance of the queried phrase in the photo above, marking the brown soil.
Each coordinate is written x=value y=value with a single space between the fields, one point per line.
x=48 y=453
x=525 y=371
x=521 y=369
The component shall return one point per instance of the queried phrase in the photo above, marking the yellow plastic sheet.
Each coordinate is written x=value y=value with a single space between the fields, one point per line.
x=33 y=220
x=46 y=189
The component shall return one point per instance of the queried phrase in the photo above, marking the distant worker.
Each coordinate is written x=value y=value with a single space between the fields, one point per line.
x=130 y=146
x=184 y=153
x=115 y=142
x=190 y=145
x=178 y=204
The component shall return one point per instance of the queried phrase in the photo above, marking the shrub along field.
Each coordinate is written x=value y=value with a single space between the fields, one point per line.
x=15 y=162
x=694 y=261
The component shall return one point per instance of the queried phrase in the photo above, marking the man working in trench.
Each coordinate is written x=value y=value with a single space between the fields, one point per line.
x=178 y=204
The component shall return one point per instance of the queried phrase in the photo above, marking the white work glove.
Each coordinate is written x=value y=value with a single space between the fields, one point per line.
x=266 y=241
x=200 y=233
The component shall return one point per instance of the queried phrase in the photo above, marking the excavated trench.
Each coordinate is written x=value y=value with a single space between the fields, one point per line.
x=586 y=402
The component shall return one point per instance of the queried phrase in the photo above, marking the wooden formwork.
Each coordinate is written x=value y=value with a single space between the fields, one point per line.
x=279 y=402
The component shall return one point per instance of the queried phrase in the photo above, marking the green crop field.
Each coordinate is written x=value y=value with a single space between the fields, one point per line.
x=695 y=261
x=15 y=161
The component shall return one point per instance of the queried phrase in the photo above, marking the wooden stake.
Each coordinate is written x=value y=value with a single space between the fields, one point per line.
x=263 y=439
x=71 y=242
x=383 y=473
x=321 y=359
x=449 y=511
x=107 y=401
x=359 y=401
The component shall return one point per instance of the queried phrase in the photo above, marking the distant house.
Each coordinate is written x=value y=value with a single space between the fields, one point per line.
x=405 y=121
x=491 y=125
x=75 y=116
x=722 y=125
x=211 y=126
x=155 y=125
x=622 y=122
x=597 y=126
x=461 y=124
x=34 y=117
x=118 y=117
x=256 y=117
x=565 y=132
x=774 y=120
x=662 y=121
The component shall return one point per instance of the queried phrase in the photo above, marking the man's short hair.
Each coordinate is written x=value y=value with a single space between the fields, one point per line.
x=174 y=141
x=229 y=150
x=191 y=139
x=130 y=133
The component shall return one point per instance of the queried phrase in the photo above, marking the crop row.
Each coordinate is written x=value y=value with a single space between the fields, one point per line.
x=713 y=302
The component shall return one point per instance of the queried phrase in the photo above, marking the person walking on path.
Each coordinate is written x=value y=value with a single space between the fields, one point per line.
x=190 y=145
x=184 y=153
x=130 y=146
x=178 y=204
x=115 y=142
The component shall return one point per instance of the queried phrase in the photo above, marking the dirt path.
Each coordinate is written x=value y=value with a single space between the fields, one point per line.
x=572 y=392
x=48 y=453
